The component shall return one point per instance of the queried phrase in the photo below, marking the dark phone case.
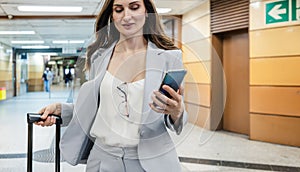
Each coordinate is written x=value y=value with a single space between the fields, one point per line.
x=172 y=79
x=31 y=118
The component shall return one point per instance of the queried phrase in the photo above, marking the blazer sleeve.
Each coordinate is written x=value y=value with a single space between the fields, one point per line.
x=66 y=113
x=177 y=126
x=67 y=108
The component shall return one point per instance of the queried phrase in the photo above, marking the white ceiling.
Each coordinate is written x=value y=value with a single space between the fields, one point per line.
x=63 y=26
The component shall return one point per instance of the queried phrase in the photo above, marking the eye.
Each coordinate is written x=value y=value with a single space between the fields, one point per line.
x=118 y=9
x=134 y=6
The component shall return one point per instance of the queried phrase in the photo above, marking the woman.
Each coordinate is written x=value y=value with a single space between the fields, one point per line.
x=115 y=108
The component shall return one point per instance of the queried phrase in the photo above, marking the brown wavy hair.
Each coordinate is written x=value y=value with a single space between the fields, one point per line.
x=106 y=33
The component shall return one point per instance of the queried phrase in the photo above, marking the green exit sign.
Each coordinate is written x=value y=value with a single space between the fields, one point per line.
x=282 y=11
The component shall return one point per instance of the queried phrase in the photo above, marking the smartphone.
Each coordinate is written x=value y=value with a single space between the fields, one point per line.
x=173 y=79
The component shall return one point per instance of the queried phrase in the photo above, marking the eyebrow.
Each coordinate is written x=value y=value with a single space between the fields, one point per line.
x=129 y=3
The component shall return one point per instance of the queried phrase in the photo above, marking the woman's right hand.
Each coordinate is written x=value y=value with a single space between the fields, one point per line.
x=55 y=109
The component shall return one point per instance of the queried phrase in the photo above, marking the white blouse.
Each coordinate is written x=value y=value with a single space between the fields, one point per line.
x=112 y=126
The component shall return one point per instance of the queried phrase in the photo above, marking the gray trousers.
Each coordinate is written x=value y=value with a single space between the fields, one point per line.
x=105 y=158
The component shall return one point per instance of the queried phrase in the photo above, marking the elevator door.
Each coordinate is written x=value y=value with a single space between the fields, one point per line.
x=236 y=67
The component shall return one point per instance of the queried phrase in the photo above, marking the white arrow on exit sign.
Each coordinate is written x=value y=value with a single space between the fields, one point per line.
x=276 y=11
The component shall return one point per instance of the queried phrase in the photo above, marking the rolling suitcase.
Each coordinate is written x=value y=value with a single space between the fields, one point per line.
x=31 y=118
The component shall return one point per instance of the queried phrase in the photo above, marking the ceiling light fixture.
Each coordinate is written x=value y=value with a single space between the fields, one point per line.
x=50 y=9
x=256 y=4
x=163 y=10
x=68 y=42
x=27 y=42
x=17 y=32
x=60 y=42
x=35 y=47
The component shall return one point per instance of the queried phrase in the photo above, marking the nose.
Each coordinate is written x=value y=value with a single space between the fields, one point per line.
x=127 y=15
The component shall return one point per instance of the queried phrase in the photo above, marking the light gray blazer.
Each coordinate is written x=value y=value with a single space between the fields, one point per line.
x=156 y=150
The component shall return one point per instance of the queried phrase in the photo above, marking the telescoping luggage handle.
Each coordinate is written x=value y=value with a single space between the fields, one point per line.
x=32 y=118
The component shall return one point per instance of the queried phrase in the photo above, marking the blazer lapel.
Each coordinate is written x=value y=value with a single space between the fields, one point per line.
x=100 y=65
x=155 y=68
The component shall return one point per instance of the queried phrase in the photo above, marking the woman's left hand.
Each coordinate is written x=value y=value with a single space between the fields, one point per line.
x=173 y=106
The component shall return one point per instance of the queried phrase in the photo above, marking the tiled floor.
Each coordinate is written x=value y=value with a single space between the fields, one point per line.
x=199 y=149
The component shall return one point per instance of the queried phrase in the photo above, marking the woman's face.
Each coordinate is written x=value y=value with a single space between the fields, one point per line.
x=129 y=17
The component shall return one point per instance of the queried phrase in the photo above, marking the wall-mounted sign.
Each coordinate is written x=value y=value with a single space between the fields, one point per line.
x=282 y=11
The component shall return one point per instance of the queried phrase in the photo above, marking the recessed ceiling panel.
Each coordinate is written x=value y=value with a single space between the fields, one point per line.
x=66 y=28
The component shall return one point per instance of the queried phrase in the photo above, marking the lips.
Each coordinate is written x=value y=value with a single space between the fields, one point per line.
x=127 y=25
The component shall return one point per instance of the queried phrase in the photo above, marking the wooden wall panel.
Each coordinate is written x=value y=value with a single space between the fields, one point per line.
x=275 y=129
x=35 y=75
x=35 y=85
x=34 y=68
x=35 y=88
x=197 y=12
x=5 y=75
x=5 y=65
x=196 y=24
x=275 y=71
x=192 y=33
x=8 y=86
x=275 y=100
x=198 y=115
x=197 y=51
x=35 y=81
x=6 y=68
x=275 y=42
x=198 y=94
x=196 y=58
x=274 y=78
x=201 y=22
x=189 y=55
x=197 y=73
x=35 y=72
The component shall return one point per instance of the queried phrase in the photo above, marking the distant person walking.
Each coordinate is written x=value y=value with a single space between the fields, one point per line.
x=68 y=78
x=47 y=77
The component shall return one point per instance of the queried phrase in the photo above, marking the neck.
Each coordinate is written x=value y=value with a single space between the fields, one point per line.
x=131 y=44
